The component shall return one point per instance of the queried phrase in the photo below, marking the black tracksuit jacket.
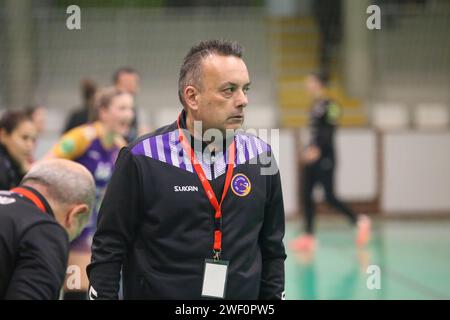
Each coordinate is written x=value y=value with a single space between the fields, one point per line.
x=10 y=173
x=160 y=233
x=33 y=249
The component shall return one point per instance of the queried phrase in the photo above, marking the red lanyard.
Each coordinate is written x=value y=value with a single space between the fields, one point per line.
x=31 y=196
x=208 y=189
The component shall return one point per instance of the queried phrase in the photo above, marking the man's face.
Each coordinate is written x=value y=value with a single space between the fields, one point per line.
x=223 y=93
x=128 y=82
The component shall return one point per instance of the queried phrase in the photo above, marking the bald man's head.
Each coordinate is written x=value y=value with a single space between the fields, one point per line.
x=68 y=187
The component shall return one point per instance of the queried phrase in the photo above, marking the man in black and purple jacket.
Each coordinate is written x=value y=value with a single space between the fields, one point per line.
x=183 y=201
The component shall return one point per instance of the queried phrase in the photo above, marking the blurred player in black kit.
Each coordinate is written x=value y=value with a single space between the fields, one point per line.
x=319 y=165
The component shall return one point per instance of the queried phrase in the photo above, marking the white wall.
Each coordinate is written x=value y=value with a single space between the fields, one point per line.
x=417 y=172
x=285 y=153
x=356 y=164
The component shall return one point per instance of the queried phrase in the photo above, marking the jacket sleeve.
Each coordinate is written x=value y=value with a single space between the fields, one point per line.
x=271 y=240
x=41 y=264
x=116 y=225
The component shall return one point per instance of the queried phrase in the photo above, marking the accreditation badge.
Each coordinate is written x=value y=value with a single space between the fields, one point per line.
x=215 y=278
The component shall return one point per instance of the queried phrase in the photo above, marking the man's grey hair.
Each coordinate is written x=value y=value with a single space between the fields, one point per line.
x=65 y=181
x=191 y=69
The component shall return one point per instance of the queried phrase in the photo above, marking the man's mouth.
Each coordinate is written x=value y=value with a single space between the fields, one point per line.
x=237 y=117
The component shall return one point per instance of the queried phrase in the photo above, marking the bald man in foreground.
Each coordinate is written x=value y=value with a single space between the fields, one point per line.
x=37 y=221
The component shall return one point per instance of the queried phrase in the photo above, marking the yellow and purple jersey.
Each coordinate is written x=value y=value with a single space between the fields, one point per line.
x=84 y=145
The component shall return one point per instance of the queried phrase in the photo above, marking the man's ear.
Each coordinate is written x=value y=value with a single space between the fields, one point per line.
x=75 y=212
x=191 y=97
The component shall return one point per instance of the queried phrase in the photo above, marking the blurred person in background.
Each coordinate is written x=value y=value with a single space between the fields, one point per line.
x=127 y=79
x=37 y=220
x=96 y=146
x=320 y=163
x=17 y=143
x=85 y=113
x=37 y=114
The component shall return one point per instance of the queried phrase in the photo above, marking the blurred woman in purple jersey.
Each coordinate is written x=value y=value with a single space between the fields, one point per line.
x=96 y=146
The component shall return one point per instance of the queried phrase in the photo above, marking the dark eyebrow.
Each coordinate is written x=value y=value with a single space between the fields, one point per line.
x=228 y=83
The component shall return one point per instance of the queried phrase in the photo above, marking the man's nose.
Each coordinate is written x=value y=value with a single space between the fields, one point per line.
x=241 y=99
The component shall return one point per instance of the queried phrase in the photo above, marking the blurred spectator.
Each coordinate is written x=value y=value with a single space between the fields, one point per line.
x=127 y=79
x=85 y=113
x=17 y=143
x=38 y=115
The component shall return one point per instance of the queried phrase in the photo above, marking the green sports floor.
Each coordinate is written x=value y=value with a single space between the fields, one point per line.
x=413 y=257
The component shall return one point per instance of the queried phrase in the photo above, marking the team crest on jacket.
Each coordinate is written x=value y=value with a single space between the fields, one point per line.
x=241 y=185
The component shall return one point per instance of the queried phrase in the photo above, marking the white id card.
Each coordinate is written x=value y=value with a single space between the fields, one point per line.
x=215 y=279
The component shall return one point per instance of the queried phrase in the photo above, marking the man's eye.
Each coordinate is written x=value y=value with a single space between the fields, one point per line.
x=228 y=90
x=246 y=89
